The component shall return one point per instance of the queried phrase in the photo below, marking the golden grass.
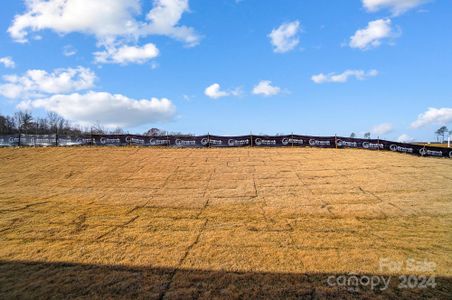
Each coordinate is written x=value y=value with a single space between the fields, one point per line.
x=217 y=223
x=436 y=145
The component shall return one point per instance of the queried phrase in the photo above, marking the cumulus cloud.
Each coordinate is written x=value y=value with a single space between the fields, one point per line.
x=102 y=18
x=127 y=54
x=405 y=138
x=372 y=35
x=7 y=62
x=265 y=88
x=214 y=91
x=285 y=37
x=382 y=129
x=163 y=20
x=110 y=110
x=105 y=19
x=440 y=116
x=344 y=76
x=35 y=83
x=397 y=7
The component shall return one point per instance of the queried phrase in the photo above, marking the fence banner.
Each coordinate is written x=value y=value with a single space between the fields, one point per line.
x=159 y=141
x=188 y=141
x=37 y=140
x=109 y=140
x=294 y=140
x=417 y=149
x=136 y=140
x=9 y=140
x=66 y=141
x=436 y=151
x=267 y=141
x=230 y=141
x=45 y=140
x=322 y=142
x=223 y=141
x=371 y=144
x=26 y=140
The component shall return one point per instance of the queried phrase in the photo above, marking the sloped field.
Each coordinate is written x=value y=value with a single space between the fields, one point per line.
x=206 y=223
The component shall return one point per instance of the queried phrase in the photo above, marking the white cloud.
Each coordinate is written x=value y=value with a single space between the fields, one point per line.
x=102 y=18
x=163 y=20
x=127 y=54
x=214 y=91
x=105 y=19
x=440 y=116
x=110 y=110
x=35 y=83
x=397 y=7
x=372 y=35
x=405 y=138
x=382 y=129
x=344 y=76
x=8 y=62
x=69 y=50
x=265 y=88
x=285 y=37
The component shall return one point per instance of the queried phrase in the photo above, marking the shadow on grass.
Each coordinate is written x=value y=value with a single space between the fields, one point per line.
x=68 y=280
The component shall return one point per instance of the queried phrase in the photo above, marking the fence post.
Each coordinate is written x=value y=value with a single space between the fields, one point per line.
x=378 y=143
x=36 y=133
x=251 y=139
x=335 y=140
x=292 y=139
x=208 y=139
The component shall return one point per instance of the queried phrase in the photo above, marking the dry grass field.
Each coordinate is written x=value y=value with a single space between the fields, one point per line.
x=220 y=223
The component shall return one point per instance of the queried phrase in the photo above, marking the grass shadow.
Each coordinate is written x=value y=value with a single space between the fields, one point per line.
x=19 y=279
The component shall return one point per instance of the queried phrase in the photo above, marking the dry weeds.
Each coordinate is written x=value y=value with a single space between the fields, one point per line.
x=171 y=223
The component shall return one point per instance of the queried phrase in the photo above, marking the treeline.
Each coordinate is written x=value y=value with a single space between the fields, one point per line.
x=25 y=123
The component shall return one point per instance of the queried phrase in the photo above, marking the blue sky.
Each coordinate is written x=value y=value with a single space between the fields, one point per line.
x=353 y=66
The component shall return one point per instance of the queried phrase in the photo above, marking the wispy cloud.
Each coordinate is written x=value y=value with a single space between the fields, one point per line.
x=344 y=76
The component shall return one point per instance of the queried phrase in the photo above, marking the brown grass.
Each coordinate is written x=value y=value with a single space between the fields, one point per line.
x=218 y=223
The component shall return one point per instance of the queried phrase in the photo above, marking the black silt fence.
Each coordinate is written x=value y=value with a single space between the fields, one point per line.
x=216 y=141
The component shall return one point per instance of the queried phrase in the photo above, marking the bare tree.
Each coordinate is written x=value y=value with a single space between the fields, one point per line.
x=24 y=121
x=117 y=130
x=367 y=135
x=3 y=125
x=97 y=128
x=353 y=135
x=54 y=121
